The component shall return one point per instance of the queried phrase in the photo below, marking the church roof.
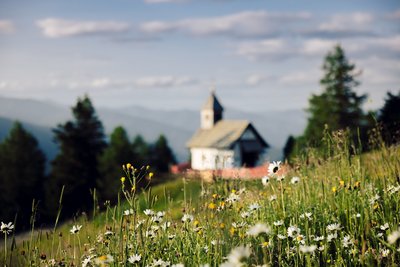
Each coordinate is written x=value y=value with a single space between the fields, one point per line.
x=213 y=103
x=223 y=135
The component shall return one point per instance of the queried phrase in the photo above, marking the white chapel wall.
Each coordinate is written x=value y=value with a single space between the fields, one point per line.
x=212 y=159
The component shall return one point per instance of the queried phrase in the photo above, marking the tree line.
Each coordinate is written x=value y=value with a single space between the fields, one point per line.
x=339 y=107
x=86 y=163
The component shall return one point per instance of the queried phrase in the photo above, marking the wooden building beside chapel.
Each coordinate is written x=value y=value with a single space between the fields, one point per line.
x=220 y=144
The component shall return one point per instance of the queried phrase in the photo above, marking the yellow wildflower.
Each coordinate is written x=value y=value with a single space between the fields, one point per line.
x=133 y=188
x=151 y=175
x=215 y=196
x=341 y=183
x=128 y=166
x=123 y=179
x=334 y=189
x=232 y=231
x=233 y=191
x=196 y=223
x=264 y=244
x=222 y=225
x=212 y=206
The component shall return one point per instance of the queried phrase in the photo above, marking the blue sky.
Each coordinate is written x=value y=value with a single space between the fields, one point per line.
x=167 y=54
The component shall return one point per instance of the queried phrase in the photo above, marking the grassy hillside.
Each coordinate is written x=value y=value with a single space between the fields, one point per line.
x=340 y=211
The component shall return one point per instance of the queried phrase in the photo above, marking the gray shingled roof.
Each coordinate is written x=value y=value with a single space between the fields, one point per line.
x=213 y=103
x=222 y=135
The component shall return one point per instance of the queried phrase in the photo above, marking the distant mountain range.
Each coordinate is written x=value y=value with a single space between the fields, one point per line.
x=40 y=117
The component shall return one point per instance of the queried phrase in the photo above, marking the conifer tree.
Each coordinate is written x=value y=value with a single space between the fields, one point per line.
x=162 y=155
x=118 y=152
x=142 y=152
x=338 y=106
x=22 y=167
x=81 y=141
x=389 y=117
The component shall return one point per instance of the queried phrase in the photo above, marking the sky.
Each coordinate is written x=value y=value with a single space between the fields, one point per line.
x=168 y=54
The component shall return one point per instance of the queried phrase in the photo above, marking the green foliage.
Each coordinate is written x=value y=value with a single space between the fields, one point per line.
x=345 y=209
x=141 y=150
x=118 y=152
x=22 y=165
x=81 y=141
x=389 y=117
x=338 y=107
x=162 y=156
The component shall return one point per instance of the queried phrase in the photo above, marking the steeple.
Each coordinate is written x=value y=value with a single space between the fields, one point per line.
x=211 y=112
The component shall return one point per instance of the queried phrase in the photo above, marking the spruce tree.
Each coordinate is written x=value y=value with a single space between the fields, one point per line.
x=389 y=117
x=81 y=141
x=22 y=167
x=338 y=106
x=118 y=152
x=162 y=155
x=142 y=152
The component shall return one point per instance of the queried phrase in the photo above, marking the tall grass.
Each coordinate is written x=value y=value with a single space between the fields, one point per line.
x=340 y=213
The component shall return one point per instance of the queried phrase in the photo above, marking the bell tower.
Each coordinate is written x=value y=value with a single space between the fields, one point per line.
x=211 y=112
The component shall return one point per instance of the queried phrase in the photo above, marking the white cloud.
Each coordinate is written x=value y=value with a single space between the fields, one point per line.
x=6 y=26
x=270 y=48
x=317 y=46
x=242 y=24
x=163 y=81
x=56 y=28
x=300 y=78
x=394 y=15
x=357 y=21
x=255 y=79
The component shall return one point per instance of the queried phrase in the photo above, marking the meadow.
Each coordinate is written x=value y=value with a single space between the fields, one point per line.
x=332 y=208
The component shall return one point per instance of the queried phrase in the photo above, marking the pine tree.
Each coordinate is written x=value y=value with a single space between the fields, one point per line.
x=389 y=117
x=81 y=142
x=142 y=152
x=162 y=154
x=22 y=167
x=118 y=152
x=338 y=106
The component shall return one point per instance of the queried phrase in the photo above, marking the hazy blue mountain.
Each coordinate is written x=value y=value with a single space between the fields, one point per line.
x=43 y=134
x=177 y=125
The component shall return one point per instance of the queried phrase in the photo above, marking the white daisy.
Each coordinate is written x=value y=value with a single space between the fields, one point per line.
x=187 y=218
x=282 y=237
x=254 y=207
x=293 y=231
x=392 y=237
x=161 y=263
x=245 y=214
x=258 y=228
x=347 y=241
x=278 y=223
x=273 y=198
x=265 y=180
x=274 y=167
x=319 y=238
x=330 y=237
x=148 y=212
x=384 y=252
x=75 y=229
x=6 y=228
x=237 y=254
x=307 y=249
x=295 y=180
x=333 y=227
x=384 y=227
x=134 y=258
x=128 y=212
